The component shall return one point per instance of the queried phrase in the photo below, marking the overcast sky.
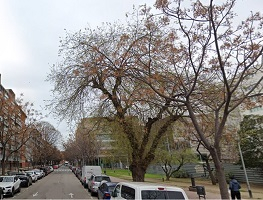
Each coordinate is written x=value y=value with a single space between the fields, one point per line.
x=30 y=31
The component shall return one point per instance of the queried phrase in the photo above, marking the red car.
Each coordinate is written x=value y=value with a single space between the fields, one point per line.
x=55 y=167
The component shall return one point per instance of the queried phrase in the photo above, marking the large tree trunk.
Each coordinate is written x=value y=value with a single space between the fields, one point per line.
x=138 y=170
x=3 y=166
x=220 y=173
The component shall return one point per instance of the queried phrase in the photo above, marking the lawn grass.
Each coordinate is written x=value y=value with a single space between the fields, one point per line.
x=184 y=182
x=122 y=173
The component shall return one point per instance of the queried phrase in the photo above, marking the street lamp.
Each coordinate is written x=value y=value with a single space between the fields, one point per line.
x=245 y=171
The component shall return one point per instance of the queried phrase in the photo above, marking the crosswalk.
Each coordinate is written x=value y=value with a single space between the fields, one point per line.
x=62 y=170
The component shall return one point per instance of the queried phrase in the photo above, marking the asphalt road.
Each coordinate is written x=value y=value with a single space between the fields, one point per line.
x=60 y=184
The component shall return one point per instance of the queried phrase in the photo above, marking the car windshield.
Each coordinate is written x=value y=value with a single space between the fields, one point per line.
x=20 y=174
x=111 y=188
x=6 y=179
x=153 y=194
x=102 y=178
x=12 y=173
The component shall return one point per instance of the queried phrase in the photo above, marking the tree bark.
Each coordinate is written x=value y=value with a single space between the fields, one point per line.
x=220 y=173
x=138 y=170
x=210 y=171
x=3 y=166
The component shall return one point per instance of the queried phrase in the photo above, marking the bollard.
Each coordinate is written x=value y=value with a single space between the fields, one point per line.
x=193 y=181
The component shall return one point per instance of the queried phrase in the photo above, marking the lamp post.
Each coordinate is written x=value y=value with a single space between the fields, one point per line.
x=245 y=171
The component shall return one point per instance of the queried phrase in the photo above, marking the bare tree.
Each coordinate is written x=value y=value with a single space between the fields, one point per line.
x=17 y=120
x=70 y=149
x=87 y=143
x=208 y=66
x=49 y=137
x=95 y=70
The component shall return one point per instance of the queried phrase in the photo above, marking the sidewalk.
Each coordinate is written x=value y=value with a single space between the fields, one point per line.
x=212 y=191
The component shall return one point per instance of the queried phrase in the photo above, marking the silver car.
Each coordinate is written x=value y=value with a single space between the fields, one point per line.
x=33 y=175
x=94 y=182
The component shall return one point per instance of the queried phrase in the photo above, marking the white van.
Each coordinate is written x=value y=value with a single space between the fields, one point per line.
x=87 y=171
x=142 y=190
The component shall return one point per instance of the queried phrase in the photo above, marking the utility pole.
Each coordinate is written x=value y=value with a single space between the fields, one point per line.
x=245 y=171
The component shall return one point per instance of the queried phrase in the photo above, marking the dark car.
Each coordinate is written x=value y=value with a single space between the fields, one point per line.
x=46 y=170
x=105 y=190
x=26 y=179
x=1 y=193
x=78 y=173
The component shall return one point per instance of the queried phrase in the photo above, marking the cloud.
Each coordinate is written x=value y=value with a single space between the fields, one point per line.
x=12 y=49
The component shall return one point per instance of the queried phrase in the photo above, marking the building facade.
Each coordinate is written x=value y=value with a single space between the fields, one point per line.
x=12 y=127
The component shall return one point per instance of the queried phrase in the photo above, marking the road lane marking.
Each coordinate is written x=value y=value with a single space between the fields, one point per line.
x=34 y=195
x=71 y=195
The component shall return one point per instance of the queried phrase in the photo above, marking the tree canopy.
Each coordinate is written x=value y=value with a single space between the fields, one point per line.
x=251 y=138
x=192 y=58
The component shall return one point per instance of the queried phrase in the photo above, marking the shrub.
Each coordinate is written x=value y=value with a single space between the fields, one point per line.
x=180 y=174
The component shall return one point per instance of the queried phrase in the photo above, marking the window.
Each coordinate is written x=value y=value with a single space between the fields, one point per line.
x=111 y=188
x=103 y=187
x=117 y=190
x=159 y=194
x=101 y=178
x=127 y=192
x=255 y=109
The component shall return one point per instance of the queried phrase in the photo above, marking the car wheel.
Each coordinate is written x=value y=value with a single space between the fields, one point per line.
x=13 y=192
x=1 y=196
x=19 y=189
x=28 y=184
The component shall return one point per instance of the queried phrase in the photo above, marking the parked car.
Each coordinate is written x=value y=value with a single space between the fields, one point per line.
x=26 y=179
x=105 y=189
x=94 y=182
x=73 y=169
x=46 y=170
x=55 y=166
x=141 y=190
x=33 y=175
x=51 y=168
x=39 y=173
x=1 y=193
x=87 y=171
x=78 y=173
x=10 y=185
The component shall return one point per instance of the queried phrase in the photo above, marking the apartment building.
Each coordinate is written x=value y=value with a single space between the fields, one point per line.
x=252 y=106
x=12 y=122
x=94 y=137
x=255 y=106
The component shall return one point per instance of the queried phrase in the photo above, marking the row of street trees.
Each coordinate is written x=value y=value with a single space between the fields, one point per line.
x=42 y=147
x=24 y=138
x=191 y=61
x=83 y=146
